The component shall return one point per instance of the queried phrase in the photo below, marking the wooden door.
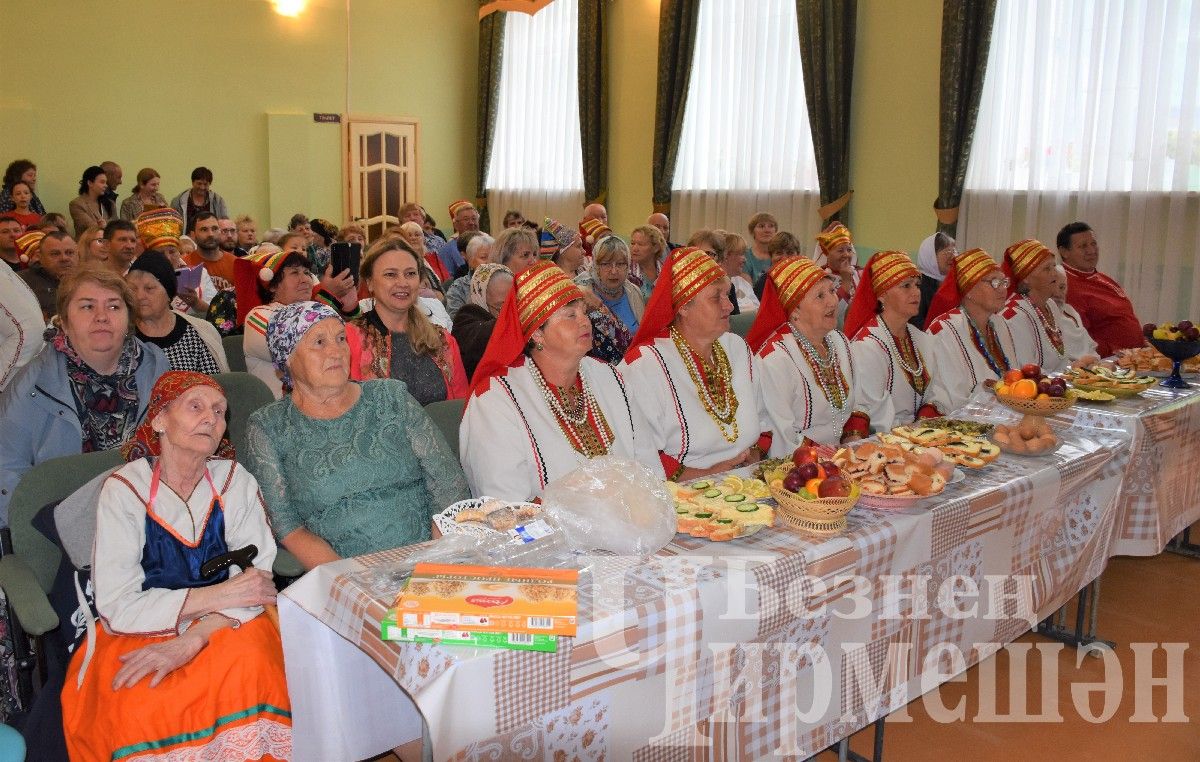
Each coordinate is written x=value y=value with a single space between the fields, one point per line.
x=382 y=172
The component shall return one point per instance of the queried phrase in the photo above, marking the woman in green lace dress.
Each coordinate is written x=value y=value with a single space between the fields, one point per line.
x=345 y=468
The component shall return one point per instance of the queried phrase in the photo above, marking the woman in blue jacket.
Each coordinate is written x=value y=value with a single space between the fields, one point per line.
x=87 y=389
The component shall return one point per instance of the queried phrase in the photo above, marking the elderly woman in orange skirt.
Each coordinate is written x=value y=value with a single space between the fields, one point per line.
x=182 y=665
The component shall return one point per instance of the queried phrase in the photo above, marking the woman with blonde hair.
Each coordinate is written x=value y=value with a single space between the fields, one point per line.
x=648 y=250
x=610 y=283
x=93 y=248
x=762 y=228
x=395 y=339
x=145 y=195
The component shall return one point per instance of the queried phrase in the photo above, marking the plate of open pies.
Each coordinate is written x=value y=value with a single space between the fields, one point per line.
x=485 y=515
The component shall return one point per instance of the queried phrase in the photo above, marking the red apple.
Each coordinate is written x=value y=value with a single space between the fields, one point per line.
x=834 y=486
x=804 y=454
x=830 y=468
x=1031 y=370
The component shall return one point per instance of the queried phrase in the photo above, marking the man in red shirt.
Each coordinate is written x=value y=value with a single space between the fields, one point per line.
x=206 y=232
x=1106 y=311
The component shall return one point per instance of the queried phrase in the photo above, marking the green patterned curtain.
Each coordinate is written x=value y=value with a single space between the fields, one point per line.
x=827 y=58
x=491 y=55
x=593 y=97
x=966 y=38
x=676 y=40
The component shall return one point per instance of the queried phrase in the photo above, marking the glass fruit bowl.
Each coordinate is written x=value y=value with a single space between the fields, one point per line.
x=1176 y=352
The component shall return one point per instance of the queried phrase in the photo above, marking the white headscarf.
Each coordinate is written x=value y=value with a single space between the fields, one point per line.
x=927 y=261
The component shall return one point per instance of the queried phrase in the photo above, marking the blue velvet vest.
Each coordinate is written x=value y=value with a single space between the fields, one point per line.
x=170 y=564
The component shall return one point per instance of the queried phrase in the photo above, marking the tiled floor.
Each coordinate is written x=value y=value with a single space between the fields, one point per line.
x=1143 y=600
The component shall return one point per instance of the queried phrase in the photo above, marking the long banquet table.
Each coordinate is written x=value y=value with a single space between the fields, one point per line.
x=756 y=646
x=1160 y=494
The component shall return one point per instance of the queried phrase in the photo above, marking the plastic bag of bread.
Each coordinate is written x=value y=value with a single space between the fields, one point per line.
x=613 y=504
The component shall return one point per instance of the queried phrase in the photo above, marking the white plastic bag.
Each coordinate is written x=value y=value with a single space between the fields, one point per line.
x=613 y=504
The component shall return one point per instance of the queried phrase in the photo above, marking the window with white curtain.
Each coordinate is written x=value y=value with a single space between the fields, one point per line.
x=537 y=161
x=745 y=145
x=1091 y=111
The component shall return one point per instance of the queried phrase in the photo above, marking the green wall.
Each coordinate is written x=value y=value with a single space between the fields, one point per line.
x=232 y=85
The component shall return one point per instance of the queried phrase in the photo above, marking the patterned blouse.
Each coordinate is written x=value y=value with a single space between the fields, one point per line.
x=366 y=481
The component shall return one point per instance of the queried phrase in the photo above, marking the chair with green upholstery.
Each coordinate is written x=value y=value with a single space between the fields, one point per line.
x=27 y=572
x=741 y=322
x=245 y=394
x=446 y=415
x=235 y=353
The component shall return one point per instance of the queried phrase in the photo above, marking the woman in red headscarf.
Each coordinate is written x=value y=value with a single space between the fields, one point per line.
x=972 y=340
x=895 y=362
x=539 y=406
x=693 y=380
x=835 y=252
x=1035 y=320
x=181 y=665
x=807 y=369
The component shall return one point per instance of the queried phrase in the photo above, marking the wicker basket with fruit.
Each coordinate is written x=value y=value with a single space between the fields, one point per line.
x=812 y=494
x=1028 y=391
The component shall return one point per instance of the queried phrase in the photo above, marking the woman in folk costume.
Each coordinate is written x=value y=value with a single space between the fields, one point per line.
x=539 y=406
x=897 y=380
x=182 y=666
x=835 y=252
x=806 y=365
x=973 y=343
x=1033 y=317
x=694 y=381
x=1079 y=342
x=161 y=228
x=267 y=281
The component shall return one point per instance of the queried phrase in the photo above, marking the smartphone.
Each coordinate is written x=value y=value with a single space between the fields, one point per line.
x=344 y=255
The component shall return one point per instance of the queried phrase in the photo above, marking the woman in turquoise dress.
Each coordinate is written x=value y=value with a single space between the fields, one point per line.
x=345 y=468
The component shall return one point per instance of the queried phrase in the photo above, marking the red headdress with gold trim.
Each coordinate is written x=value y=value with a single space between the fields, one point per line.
x=687 y=272
x=788 y=281
x=968 y=269
x=884 y=270
x=536 y=294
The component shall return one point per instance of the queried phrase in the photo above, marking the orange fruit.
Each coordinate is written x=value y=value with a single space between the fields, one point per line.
x=1025 y=389
x=1043 y=396
x=1013 y=376
x=813 y=485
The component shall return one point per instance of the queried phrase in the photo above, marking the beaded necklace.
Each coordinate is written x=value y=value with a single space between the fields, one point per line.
x=714 y=384
x=990 y=348
x=581 y=420
x=829 y=377
x=1051 y=328
x=908 y=357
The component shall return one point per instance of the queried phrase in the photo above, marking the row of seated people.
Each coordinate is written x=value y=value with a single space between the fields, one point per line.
x=348 y=462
